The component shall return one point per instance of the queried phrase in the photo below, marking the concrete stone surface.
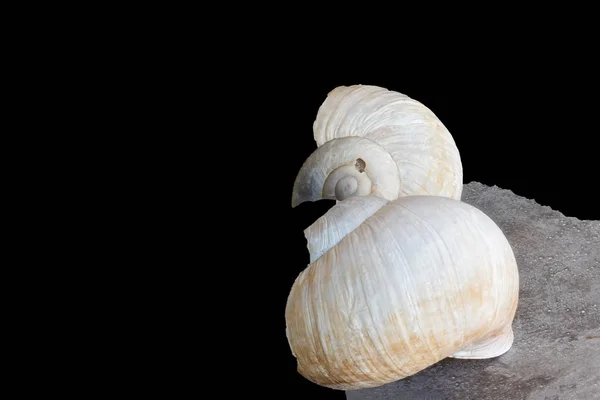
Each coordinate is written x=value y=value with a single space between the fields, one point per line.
x=556 y=352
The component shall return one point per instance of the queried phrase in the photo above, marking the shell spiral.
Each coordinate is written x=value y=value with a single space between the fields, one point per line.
x=395 y=286
x=402 y=149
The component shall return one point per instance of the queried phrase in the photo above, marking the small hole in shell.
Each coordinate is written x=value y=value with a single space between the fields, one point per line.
x=360 y=165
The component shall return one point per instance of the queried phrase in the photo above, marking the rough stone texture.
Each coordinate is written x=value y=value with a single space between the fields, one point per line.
x=556 y=352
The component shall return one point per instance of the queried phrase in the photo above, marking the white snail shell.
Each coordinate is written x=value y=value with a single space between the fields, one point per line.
x=396 y=286
x=379 y=142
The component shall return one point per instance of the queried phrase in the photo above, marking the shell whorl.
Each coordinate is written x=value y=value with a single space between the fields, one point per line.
x=338 y=222
x=395 y=286
x=407 y=149
x=368 y=162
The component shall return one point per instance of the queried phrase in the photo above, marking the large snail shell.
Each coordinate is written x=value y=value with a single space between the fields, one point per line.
x=375 y=141
x=396 y=286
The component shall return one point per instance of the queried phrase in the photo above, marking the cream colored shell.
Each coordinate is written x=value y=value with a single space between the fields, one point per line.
x=396 y=286
x=375 y=141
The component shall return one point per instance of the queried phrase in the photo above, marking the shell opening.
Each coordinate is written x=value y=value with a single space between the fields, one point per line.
x=360 y=165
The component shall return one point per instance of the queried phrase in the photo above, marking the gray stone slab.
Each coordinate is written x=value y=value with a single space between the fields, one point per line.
x=556 y=352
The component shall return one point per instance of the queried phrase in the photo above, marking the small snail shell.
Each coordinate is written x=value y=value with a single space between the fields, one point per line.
x=375 y=141
x=396 y=286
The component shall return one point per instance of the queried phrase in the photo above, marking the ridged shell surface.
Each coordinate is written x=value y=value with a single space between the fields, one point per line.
x=396 y=286
x=423 y=149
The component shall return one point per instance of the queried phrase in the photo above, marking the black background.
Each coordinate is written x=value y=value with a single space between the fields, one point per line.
x=525 y=121
x=533 y=136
